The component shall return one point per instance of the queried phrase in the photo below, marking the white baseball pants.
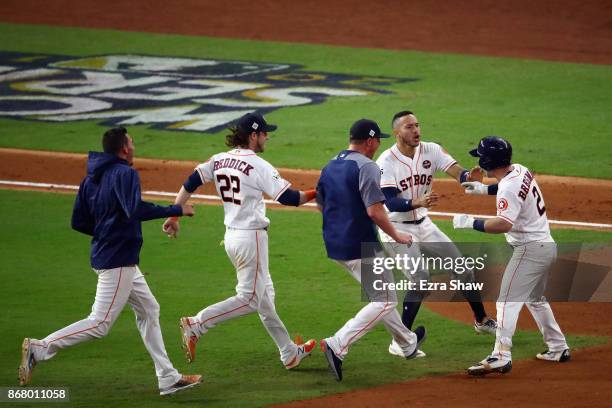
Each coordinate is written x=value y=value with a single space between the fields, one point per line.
x=248 y=251
x=382 y=306
x=116 y=287
x=524 y=282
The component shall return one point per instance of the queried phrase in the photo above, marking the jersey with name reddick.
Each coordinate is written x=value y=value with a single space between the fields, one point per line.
x=412 y=177
x=521 y=203
x=241 y=177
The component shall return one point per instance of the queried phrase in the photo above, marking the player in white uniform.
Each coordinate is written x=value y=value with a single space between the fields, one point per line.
x=521 y=215
x=241 y=178
x=407 y=171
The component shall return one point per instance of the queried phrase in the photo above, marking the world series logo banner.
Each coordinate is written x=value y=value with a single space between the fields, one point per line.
x=170 y=93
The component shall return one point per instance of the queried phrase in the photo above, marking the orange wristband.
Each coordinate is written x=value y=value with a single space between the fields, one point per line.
x=310 y=194
x=174 y=219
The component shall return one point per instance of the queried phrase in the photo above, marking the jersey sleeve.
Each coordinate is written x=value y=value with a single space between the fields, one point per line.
x=442 y=159
x=387 y=175
x=205 y=170
x=369 y=184
x=508 y=205
x=270 y=181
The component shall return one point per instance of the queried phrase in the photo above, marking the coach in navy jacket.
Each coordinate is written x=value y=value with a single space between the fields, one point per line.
x=109 y=207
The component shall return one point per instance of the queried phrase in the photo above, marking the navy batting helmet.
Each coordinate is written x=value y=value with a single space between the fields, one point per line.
x=493 y=152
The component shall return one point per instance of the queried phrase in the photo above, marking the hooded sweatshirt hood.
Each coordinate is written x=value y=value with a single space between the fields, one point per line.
x=99 y=162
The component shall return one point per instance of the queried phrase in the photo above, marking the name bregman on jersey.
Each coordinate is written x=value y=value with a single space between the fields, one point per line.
x=231 y=163
x=527 y=179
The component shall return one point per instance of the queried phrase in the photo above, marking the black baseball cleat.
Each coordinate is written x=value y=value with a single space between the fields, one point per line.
x=421 y=334
x=334 y=363
x=490 y=365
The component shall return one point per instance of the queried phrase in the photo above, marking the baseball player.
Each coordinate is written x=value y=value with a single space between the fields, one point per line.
x=521 y=215
x=407 y=170
x=241 y=178
x=108 y=207
x=351 y=201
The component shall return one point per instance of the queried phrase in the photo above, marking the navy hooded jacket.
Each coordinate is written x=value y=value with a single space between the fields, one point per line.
x=109 y=207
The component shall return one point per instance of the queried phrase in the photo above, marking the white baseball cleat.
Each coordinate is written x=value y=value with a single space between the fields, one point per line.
x=186 y=381
x=188 y=339
x=491 y=365
x=303 y=351
x=396 y=350
x=488 y=326
x=27 y=362
x=559 y=356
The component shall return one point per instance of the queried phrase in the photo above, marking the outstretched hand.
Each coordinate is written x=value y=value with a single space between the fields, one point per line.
x=461 y=221
x=475 y=188
x=427 y=200
x=171 y=227
x=188 y=210
x=476 y=174
x=404 y=238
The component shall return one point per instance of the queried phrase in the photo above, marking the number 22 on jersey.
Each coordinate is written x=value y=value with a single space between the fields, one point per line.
x=229 y=185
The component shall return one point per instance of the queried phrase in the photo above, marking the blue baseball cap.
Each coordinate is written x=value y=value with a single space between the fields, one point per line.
x=254 y=122
x=365 y=129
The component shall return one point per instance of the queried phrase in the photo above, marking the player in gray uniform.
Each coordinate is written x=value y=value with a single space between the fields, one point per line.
x=521 y=215
x=351 y=201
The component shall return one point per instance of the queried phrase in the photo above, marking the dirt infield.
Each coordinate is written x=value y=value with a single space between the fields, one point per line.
x=561 y=30
x=582 y=382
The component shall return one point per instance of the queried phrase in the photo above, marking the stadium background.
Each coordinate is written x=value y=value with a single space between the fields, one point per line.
x=535 y=72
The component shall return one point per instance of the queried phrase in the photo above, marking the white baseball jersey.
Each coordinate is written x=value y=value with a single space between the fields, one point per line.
x=412 y=177
x=521 y=203
x=241 y=177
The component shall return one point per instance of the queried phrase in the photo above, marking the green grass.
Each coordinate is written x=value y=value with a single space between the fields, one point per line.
x=47 y=284
x=555 y=114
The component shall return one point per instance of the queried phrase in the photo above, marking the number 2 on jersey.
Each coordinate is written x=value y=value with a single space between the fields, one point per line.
x=225 y=184
x=537 y=194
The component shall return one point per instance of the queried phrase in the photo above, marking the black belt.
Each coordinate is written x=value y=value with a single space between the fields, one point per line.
x=416 y=222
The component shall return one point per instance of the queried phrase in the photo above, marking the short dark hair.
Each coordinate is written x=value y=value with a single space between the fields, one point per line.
x=237 y=137
x=114 y=139
x=400 y=115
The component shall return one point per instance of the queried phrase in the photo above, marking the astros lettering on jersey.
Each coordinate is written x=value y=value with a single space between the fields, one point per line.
x=412 y=177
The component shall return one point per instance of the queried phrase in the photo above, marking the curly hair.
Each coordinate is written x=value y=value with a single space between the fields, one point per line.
x=237 y=138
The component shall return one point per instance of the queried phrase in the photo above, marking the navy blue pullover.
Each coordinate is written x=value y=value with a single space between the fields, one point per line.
x=109 y=207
